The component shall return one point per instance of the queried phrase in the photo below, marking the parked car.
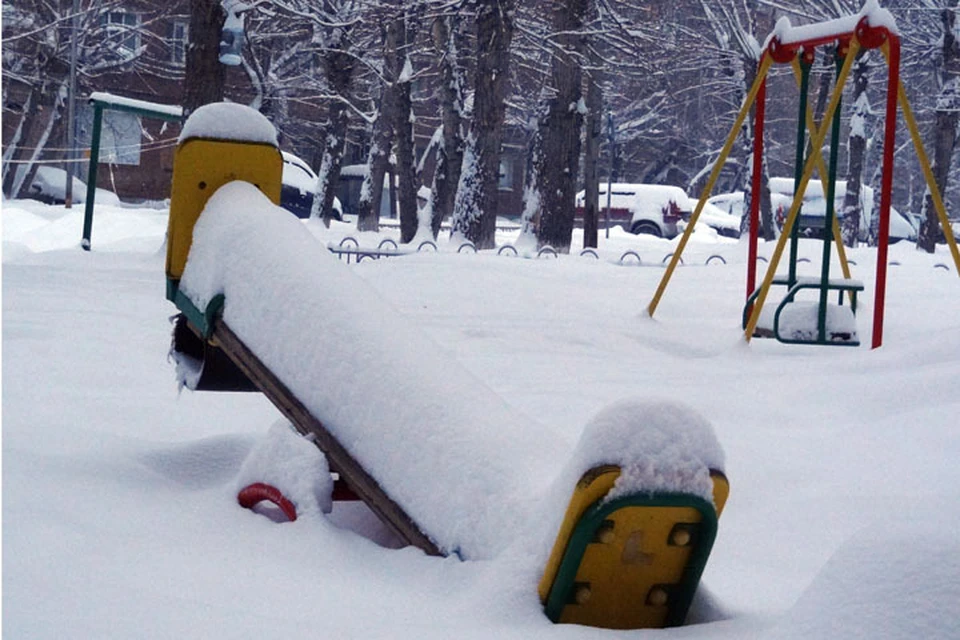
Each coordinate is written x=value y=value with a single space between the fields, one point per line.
x=50 y=186
x=642 y=208
x=297 y=188
x=734 y=204
x=813 y=210
x=657 y=210
x=723 y=222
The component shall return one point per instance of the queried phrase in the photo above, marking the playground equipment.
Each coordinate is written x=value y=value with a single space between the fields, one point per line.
x=871 y=28
x=106 y=102
x=603 y=545
x=632 y=560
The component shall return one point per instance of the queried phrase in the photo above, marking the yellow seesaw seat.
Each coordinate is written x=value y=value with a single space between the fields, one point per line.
x=630 y=562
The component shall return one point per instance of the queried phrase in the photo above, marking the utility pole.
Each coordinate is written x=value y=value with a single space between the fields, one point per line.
x=70 y=135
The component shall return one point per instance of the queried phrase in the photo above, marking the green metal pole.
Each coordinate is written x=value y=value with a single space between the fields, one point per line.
x=92 y=176
x=828 y=218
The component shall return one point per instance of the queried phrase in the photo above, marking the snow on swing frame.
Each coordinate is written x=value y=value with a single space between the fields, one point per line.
x=872 y=27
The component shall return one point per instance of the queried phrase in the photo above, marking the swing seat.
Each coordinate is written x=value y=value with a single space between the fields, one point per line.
x=796 y=322
x=799 y=322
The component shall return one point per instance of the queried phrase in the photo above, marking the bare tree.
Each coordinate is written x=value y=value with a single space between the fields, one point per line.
x=852 y=210
x=476 y=207
x=382 y=136
x=406 y=27
x=559 y=129
x=945 y=129
x=204 y=75
x=449 y=39
x=738 y=52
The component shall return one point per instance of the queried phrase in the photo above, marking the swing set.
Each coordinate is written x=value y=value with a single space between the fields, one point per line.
x=871 y=28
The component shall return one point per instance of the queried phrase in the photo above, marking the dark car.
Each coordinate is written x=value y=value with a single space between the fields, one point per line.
x=297 y=188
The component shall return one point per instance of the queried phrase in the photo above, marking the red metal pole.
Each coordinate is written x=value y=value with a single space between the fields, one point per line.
x=886 y=189
x=758 y=119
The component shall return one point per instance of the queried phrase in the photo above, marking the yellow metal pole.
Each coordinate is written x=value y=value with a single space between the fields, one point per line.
x=925 y=165
x=714 y=175
x=816 y=142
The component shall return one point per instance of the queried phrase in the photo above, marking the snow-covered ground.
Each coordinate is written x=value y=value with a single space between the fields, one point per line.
x=119 y=493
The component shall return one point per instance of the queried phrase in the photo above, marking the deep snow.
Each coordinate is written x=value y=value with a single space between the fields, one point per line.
x=119 y=508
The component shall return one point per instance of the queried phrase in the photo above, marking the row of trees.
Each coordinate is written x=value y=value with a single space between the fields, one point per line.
x=385 y=75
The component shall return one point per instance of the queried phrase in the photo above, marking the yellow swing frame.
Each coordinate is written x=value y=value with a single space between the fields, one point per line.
x=776 y=51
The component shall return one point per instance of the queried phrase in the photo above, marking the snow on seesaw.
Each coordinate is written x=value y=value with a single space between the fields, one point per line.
x=119 y=495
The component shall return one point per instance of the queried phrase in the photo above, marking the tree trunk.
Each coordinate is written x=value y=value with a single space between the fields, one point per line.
x=945 y=130
x=331 y=164
x=560 y=157
x=476 y=208
x=203 y=75
x=530 y=218
x=378 y=159
x=446 y=175
x=339 y=69
x=852 y=209
x=21 y=153
x=406 y=154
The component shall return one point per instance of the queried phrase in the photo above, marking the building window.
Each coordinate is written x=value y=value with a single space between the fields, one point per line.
x=122 y=32
x=178 y=42
x=506 y=174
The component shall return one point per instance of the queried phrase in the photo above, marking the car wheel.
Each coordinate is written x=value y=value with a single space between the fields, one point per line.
x=645 y=226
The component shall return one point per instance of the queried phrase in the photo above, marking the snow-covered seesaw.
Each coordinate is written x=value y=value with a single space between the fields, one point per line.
x=437 y=455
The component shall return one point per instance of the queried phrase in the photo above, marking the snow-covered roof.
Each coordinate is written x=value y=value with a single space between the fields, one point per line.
x=229 y=121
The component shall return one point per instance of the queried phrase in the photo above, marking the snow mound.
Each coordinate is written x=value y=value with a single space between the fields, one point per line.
x=294 y=465
x=895 y=585
x=660 y=446
x=799 y=320
x=229 y=121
